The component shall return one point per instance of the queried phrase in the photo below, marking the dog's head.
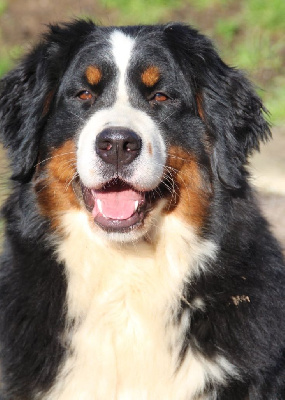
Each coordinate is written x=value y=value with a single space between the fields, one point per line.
x=128 y=124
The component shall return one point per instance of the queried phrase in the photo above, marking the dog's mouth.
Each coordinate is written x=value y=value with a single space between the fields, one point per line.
x=117 y=206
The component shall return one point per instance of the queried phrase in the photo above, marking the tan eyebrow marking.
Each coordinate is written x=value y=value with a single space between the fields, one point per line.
x=150 y=76
x=93 y=75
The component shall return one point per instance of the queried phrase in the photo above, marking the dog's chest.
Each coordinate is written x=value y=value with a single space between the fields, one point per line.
x=121 y=350
x=126 y=347
x=125 y=339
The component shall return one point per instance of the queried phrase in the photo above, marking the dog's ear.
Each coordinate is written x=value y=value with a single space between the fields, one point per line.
x=23 y=92
x=226 y=101
x=234 y=116
x=26 y=94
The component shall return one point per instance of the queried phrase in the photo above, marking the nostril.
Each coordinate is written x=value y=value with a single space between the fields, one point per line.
x=133 y=145
x=105 y=145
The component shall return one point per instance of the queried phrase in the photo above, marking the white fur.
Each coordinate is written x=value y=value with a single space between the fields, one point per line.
x=124 y=343
x=146 y=169
x=122 y=47
x=123 y=294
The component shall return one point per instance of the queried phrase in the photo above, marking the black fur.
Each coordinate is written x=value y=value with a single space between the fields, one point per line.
x=251 y=333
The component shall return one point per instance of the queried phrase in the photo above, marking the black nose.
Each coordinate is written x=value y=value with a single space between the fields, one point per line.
x=118 y=146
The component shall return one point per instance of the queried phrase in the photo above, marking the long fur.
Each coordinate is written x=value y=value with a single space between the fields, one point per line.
x=186 y=305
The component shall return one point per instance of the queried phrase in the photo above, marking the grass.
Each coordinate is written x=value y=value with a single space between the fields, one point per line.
x=269 y=15
x=8 y=56
x=141 y=11
x=5 y=62
x=206 y=4
x=258 y=52
x=3 y=6
x=227 y=29
x=275 y=100
x=252 y=38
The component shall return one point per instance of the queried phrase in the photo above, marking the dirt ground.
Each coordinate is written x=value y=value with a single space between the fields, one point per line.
x=268 y=176
x=20 y=25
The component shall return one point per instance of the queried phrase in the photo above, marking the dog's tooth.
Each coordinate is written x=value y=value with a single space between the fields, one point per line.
x=99 y=205
x=136 y=205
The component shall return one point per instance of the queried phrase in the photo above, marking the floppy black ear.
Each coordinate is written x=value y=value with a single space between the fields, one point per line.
x=234 y=114
x=230 y=108
x=26 y=94
x=23 y=92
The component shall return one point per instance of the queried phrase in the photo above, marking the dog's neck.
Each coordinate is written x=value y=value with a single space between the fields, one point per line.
x=123 y=302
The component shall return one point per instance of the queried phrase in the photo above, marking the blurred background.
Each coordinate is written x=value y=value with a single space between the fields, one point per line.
x=249 y=34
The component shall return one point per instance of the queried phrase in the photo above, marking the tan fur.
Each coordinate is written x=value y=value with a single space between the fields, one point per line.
x=53 y=183
x=122 y=299
x=200 y=109
x=93 y=75
x=150 y=76
x=192 y=197
x=124 y=290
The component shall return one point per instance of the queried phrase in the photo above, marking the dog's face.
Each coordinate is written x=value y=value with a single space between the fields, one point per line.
x=128 y=125
x=125 y=113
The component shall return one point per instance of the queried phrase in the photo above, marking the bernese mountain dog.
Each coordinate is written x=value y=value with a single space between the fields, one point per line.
x=136 y=264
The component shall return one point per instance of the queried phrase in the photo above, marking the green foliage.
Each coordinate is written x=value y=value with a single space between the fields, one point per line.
x=227 y=28
x=8 y=57
x=252 y=38
x=141 y=11
x=206 y=4
x=266 y=14
x=274 y=99
x=258 y=51
x=3 y=6
x=5 y=62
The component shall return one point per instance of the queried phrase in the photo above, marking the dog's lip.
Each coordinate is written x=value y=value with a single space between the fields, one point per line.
x=117 y=206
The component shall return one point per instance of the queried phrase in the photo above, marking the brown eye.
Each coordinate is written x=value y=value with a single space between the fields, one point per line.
x=160 y=97
x=85 y=95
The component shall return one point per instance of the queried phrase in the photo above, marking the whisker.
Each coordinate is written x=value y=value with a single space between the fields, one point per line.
x=71 y=180
x=77 y=116
x=170 y=115
x=172 y=190
x=57 y=155
x=171 y=169
x=177 y=157
x=202 y=166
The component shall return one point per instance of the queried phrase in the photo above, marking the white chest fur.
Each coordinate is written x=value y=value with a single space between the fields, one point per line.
x=122 y=301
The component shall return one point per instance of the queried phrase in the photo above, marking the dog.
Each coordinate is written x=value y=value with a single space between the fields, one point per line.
x=136 y=263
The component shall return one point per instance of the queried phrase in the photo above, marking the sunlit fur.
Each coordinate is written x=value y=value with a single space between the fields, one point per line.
x=122 y=306
x=147 y=170
x=186 y=303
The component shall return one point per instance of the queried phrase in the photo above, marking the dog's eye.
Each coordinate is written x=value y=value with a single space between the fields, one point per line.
x=160 y=97
x=85 y=95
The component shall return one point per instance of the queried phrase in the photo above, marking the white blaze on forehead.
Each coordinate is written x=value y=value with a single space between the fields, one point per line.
x=146 y=171
x=122 y=46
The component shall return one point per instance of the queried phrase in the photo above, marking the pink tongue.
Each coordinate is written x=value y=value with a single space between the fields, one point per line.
x=116 y=205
